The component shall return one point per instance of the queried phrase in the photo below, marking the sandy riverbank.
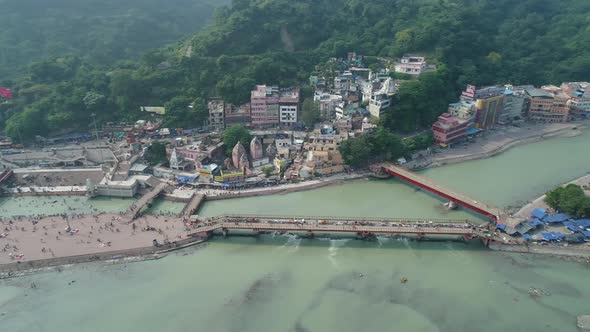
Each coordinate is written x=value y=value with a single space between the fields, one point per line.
x=503 y=139
x=525 y=211
x=580 y=252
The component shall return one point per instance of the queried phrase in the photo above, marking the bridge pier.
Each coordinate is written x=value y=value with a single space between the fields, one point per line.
x=468 y=237
x=310 y=235
x=420 y=236
x=225 y=232
x=366 y=236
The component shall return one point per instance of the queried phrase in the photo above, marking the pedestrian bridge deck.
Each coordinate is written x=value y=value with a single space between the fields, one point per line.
x=144 y=200
x=192 y=206
x=420 y=227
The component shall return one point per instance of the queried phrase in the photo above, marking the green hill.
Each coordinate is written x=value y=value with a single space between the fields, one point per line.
x=101 y=31
x=281 y=42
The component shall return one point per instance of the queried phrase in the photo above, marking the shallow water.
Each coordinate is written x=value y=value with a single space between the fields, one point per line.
x=285 y=283
x=248 y=284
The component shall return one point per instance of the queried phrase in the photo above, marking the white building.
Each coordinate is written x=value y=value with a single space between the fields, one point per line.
x=411 y=64
x=288 y=114
x=327 y=102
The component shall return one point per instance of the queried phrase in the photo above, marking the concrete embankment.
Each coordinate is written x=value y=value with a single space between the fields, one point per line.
x=17 y=269
x=283 y=190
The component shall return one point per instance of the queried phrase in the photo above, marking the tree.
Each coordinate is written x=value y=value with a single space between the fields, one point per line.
x=268 y=171
x=310 y=113
x=156 y=153
x=233 y=135
x=356 y=151
x=570 y=199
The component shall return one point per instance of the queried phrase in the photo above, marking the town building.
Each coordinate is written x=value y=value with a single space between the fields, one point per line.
x=548 y=105
x=514 y=105
x=579 y=93
x=488 y=103
x=237 y=115
x=264 y=103
x=327 y=103
x=462 y=110
x=448 y=129
x=381 y=98
x=411 y=64
x=216 y=115
x=288 y=106
x=344 y=83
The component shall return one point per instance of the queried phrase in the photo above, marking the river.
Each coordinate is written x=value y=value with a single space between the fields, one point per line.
x=283 y=283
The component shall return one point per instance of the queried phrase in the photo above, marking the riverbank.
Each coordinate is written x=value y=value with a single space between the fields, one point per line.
x=500 y=140
x=526 y=210
x=580 y=252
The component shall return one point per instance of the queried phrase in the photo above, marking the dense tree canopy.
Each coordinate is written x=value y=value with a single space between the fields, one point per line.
x=102 y=31
x=570 y=199
x=233 y=135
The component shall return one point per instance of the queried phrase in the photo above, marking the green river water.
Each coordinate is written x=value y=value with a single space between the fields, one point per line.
x=283 y=283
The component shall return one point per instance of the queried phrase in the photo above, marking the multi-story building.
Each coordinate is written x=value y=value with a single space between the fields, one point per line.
x=411 y=64
x=488 y=103
x=288 y=106
x=548 y=105
x=327 y=103
x=579 y=93
x=462 y=110
x=381 y=98
x=448 y=129
x=237 y=115
x=514 y=105
x=216 y=115
x=344 y=83
x=264 y=103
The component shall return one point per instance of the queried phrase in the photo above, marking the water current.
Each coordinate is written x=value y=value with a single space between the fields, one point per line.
x=284 y=283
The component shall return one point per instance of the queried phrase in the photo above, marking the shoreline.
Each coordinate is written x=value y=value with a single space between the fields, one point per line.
x=285 y=189
x=571 y=130
x=580 y=254
x=539 y=202
x=140 y=254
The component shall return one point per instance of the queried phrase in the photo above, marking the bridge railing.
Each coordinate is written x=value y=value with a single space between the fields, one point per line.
x=339 y=218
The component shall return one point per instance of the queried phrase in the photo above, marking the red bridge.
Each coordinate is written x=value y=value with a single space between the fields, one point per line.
x=486 y=210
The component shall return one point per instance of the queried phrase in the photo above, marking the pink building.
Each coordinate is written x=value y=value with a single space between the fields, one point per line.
x=448 y=129
x=264 y=101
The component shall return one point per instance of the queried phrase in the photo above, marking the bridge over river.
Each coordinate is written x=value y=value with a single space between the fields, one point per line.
x=489 y=211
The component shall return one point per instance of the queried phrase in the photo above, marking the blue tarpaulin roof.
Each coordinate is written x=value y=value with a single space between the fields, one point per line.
x=560 y=217
x=583 y=222
x=473 y=131
x=572 y=227
x=538 y=213
x=552 y=236
x=535 y=222
x=586 y=233
x=501 y=226
x=527 y=237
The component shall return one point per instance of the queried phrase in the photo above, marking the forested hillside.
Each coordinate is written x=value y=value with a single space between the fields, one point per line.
x=101 y=31
x=281 y=42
